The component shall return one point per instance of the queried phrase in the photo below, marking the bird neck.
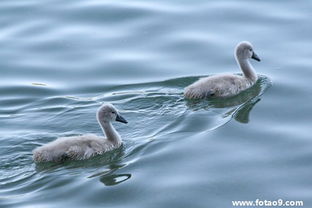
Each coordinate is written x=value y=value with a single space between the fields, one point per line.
x=110 y=132
x=247 y=69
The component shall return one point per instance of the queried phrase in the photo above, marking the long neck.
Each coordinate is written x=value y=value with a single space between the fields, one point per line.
x=110 y=132
x=247 y=69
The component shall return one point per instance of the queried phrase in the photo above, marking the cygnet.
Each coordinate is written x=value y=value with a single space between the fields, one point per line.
x=226 y=85
x=84 y=146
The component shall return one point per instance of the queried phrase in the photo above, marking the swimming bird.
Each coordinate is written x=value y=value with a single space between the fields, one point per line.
x=84 y=146
x=226 y=85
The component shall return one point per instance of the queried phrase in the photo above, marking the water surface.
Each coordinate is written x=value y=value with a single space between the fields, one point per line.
x=60 y=60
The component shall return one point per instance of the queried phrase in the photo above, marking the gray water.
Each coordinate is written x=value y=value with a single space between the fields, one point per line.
x=60 y=60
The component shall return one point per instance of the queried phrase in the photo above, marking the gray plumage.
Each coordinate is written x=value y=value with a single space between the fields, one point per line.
x=226 y=85
x=84 y=146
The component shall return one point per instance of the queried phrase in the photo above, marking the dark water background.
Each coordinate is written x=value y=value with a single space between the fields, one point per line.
x=60 y=60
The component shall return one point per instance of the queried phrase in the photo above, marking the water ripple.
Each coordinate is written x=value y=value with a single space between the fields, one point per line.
x=61 y=60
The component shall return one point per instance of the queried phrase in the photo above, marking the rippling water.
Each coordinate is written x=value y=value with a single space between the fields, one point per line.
x=60 y=60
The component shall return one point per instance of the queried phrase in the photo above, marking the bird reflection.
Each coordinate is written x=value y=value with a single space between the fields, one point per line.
x=109 y=165
x=114 y=179
x=109 y=178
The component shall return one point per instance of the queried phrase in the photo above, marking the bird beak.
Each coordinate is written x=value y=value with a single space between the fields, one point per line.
x=121 y=119
x=255 y=56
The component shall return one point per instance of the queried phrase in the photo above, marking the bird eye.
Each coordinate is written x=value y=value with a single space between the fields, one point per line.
x=113 y=112
x=250 y=49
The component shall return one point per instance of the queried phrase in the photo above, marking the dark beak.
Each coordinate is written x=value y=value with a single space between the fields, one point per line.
x=255 y=56
x=121 y=119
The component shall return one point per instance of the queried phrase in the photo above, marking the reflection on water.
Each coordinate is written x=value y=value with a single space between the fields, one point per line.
x=114 y=179
x=243 y=112
x=108 y=176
